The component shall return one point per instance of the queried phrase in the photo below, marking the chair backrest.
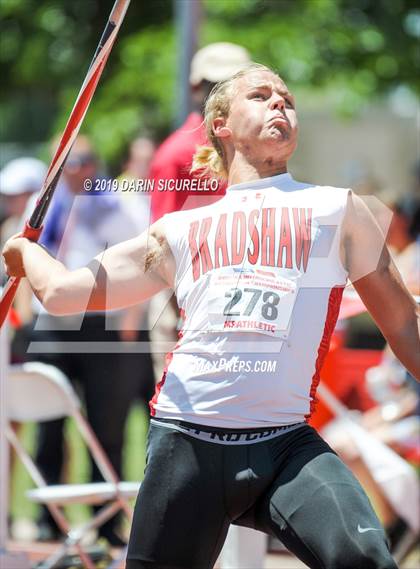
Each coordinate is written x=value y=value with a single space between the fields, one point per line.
x=38 y=392
x=41 y=392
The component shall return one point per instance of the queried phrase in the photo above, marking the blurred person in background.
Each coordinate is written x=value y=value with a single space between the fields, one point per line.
x=20 y=179
x=135 y=201
x=78 y=225
x=394 y=421
x=173 y=160
x=136 y=168
x=403 y=239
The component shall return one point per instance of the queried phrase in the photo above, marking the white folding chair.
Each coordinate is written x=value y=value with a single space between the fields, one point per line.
x=40 y=392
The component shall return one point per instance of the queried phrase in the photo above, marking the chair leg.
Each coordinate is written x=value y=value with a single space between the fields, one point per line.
x=55 y=511
x=101 y=517
x=56 y=557
x=75 y=535
x=125 y=506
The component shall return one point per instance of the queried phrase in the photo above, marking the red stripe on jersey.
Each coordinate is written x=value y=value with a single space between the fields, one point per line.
x=168 y=359
x=334 y=302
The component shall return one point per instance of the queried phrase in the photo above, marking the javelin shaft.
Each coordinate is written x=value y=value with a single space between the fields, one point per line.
x=33 y=227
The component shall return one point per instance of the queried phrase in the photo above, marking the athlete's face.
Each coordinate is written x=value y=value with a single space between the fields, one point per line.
x=262 y=118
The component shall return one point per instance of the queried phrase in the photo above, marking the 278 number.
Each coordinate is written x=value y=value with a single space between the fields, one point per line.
x=268 y=308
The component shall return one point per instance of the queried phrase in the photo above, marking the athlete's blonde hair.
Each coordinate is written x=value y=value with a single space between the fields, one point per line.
x=211 y=160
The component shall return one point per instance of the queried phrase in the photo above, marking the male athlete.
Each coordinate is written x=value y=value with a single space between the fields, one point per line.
x=259 y=276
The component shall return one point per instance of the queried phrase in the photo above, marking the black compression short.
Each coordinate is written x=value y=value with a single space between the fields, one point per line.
x=292 y=486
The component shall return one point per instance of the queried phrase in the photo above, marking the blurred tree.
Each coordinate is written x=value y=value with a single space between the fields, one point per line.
x=45 y=49
x=349 y=50
x=345 y=51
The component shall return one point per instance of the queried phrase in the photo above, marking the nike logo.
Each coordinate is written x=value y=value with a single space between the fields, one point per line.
x=364 y=530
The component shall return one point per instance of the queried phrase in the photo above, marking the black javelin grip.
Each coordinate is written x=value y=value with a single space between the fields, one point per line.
x=33 y=227
x=41 y=208
x=107 y=32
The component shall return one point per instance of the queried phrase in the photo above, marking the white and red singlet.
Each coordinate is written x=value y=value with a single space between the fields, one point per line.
x=259 y=279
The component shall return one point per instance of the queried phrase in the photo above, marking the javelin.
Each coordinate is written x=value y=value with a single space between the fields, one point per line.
x=33 y=227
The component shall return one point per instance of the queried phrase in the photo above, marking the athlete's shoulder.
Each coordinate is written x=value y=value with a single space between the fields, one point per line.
x=325 y=192
x=316 y=185
x=333 y=189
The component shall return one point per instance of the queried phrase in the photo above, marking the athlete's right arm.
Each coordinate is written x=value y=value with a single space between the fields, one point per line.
x=123 y=275
x=379 y=284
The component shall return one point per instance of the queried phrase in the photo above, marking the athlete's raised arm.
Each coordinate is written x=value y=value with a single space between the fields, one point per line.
x=121 y=276
x=379 y=284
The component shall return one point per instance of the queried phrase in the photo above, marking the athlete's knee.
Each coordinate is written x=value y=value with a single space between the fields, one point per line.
x=370 y=556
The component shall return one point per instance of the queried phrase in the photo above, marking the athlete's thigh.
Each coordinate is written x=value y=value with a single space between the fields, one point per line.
x=179 y=519
x=321 y=513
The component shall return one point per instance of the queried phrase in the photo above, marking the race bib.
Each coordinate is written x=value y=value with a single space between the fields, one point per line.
x=252 y=300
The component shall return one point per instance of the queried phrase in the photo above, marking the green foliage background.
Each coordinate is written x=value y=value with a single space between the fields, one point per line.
x=337 y=52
